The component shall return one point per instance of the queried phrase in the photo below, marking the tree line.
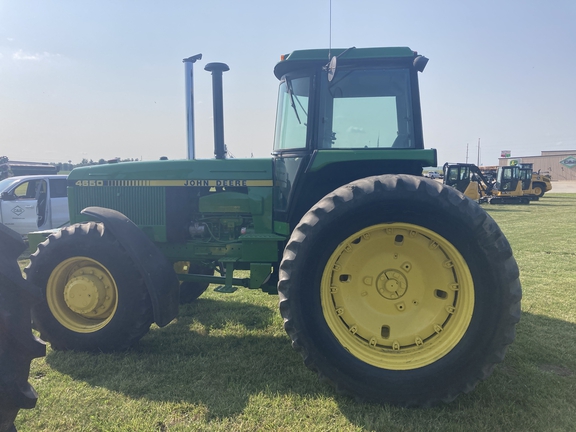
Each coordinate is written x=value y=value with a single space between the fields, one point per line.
x=69 y=166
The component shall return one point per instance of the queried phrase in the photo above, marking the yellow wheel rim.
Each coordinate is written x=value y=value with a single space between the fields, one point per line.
x=537 y=190
x=397 y=296
x=181 y=267
x=82 y=294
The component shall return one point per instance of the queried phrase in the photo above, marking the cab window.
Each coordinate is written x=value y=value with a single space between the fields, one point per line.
x=292 y=113
x=368 y=108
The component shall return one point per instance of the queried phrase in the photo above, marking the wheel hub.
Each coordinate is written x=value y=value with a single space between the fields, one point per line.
x=82 y=294
x=392 y=284
x=87 y=292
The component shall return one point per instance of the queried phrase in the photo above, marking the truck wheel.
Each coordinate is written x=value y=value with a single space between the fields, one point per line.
x=190 y=291
x=399 y=290
x=96 y=299
x=539 y=189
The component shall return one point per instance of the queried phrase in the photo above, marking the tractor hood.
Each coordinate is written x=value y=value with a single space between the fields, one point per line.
x=176 y=172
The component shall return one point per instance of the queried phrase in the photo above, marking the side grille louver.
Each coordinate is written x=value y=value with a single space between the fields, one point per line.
x=143 y=205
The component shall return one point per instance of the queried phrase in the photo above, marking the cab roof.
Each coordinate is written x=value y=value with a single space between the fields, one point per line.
x=320 y=57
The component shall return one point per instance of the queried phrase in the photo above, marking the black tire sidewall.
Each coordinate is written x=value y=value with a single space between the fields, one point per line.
x=419 y=208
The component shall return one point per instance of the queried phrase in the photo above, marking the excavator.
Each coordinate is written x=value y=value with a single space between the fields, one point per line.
x=468 y=179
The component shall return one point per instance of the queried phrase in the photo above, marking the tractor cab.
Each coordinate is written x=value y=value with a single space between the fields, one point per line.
x=342 y=115
x=526 y=176
x=457 y=176
x=468 y=179
x=508 y=181
x=365 y=100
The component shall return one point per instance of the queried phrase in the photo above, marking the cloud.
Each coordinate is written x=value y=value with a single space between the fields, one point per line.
x=21 y=55
x=10 y=39
x=355 y=129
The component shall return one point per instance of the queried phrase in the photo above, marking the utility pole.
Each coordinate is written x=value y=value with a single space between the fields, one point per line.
x=478 y=164
x=466 y=152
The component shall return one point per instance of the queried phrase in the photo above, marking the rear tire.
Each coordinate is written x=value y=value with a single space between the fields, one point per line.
x=398 y=290
x=95 y=298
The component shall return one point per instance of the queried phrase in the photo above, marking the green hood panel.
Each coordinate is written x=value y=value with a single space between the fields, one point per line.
x=180 y=171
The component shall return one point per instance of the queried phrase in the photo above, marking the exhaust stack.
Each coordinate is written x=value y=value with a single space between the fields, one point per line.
x=217 y=100
x=189 y=84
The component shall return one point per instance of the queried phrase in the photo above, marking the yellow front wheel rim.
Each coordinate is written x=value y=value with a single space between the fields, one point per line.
x=397 y=296
x=82 y=295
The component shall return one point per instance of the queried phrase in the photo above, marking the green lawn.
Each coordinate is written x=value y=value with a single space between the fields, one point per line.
x=226 y=363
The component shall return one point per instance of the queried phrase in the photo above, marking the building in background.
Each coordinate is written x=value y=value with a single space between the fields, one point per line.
x=559 y=164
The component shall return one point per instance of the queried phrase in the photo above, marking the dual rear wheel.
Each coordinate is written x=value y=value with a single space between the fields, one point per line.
x=398 y=290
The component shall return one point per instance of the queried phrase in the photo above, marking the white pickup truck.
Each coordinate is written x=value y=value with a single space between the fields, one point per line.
x=32 y=203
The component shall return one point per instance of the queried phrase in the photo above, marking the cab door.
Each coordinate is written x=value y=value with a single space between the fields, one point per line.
x=19 y=206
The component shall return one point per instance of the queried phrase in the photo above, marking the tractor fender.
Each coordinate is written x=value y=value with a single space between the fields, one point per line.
x=158 y=274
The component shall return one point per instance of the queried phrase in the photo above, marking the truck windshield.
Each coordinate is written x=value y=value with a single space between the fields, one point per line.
x=368 y=108
x=292 y=114
x=5 y=184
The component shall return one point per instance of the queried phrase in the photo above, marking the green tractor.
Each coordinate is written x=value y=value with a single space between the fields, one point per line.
x=393 y=287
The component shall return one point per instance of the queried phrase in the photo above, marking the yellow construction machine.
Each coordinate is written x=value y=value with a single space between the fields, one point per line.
x=468 y=179
x=534 y=185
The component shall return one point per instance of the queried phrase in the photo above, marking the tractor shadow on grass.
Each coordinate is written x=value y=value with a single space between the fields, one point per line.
x=216 y=354
x=507 y=209
x=537 y=375
x=219 y=355
x=556 y=201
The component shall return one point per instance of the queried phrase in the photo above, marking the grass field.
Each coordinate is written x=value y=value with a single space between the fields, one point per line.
x=226 y=363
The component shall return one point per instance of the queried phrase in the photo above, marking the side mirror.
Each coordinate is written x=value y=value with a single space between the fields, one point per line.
x=6 y=196
x=332 y=68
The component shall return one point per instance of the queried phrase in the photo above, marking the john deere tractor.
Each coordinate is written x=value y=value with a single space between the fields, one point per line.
x=393 y=287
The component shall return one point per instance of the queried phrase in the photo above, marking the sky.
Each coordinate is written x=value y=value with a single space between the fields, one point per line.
x=104 y=79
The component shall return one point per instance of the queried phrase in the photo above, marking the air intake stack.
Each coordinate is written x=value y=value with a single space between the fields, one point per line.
x=189 y=84
x=218 y=107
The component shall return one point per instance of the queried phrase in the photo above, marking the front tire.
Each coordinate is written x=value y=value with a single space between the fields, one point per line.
x=96 y=299
x=398 y=290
